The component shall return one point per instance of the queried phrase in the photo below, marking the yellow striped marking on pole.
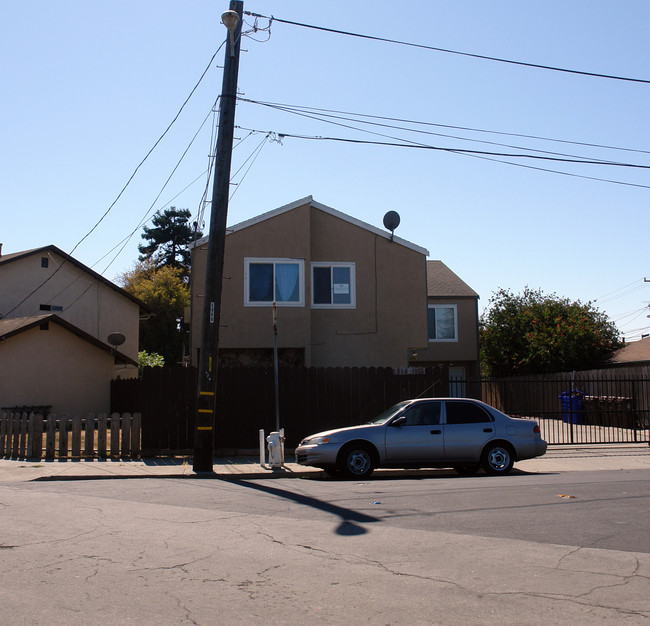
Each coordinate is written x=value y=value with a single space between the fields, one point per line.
x=204 y=428
x=206 y=393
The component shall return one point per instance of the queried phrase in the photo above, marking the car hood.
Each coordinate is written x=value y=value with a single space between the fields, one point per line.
x=344 y=431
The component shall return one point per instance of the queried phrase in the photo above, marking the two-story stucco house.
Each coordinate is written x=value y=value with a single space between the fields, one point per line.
x=56 y=319
x=452 y=322
x=347 y=293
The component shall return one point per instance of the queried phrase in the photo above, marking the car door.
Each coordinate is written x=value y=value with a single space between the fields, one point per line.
x=468 y=426
x=418 y=435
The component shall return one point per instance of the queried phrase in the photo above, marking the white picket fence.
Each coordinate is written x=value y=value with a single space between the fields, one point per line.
x=33 y=436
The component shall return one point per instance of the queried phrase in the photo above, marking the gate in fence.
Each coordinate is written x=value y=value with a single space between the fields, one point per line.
x=31 y=435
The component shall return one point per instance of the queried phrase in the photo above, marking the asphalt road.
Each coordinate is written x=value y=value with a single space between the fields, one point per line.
x=570 y=547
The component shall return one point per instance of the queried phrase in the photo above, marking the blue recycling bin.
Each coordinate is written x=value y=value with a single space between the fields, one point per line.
x=573 y=405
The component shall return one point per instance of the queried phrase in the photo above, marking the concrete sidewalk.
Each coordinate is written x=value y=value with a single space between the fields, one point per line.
x=557 y=459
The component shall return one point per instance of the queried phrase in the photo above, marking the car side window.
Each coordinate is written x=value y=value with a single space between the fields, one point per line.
x=422 y=414
x=466 y=413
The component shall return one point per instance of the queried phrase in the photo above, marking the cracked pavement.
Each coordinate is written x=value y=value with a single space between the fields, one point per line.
x=439 y=550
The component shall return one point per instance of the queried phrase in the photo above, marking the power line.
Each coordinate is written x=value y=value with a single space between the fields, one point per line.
x=143 y=220
x=292 y=107
x=128 y=182
x=448 y=51
x=323 y=117
x=465 y=151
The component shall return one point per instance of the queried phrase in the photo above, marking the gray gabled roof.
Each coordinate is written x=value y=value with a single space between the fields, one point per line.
x=443 y=283
x=321 y=207
x=13 y=326
x=14 y=256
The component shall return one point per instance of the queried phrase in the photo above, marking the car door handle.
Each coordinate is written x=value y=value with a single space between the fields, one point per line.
x=436 y=432
x=487 y=430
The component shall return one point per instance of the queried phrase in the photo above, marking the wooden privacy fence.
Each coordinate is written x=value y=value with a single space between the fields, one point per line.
x=311 y=399
x=22 y=436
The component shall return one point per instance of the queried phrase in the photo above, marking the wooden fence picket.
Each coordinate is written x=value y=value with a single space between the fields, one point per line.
x=15 y=448
x=23 y=434
x=76 y=437
x=115 y=434
x=89 y=434
x=50 y=437
x=63 y=435
x=35 y=436
x=101 y=435
x=126 y=435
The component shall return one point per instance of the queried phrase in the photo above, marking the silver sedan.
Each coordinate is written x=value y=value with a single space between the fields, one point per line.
x=461 y=433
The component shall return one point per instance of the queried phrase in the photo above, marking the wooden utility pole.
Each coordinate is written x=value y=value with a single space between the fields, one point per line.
x=206 y=404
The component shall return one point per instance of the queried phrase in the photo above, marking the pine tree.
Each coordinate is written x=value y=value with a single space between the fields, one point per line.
x=169 y=239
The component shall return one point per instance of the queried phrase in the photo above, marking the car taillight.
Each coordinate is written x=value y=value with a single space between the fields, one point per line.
x=536 y=429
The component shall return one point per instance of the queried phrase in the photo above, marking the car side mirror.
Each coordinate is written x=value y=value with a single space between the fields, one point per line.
x=400 y=421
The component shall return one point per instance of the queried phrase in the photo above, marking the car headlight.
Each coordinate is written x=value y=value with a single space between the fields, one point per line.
x=315 y=441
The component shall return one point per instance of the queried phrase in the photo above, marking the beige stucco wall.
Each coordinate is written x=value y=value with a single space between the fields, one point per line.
x=87 y=303
x=466 y=348
x=390 y=313
x=54 y=367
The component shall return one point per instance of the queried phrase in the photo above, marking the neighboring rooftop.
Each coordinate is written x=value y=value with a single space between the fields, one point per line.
x=443 y=283
x=14 y=256
x=12 y=326
x=634 y=352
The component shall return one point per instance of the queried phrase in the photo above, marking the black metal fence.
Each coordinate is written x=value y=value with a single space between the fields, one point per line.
x=600 y=406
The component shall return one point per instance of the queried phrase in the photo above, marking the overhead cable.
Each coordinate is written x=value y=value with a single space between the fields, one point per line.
x=128 y=182
x=448 y=51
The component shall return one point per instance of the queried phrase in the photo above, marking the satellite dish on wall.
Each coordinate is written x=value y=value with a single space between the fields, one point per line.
x=116 y=339
x=391 y=222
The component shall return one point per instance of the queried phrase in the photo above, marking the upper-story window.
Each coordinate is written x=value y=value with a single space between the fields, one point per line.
x=333 y=285
x=442 y=322
x=274 y=280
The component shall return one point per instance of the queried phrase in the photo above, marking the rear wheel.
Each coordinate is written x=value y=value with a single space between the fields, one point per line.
x=498 y=459
x=357 y=461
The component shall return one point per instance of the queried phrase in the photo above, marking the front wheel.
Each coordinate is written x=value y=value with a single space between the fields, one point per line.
x=498 y=459
x=357 y=462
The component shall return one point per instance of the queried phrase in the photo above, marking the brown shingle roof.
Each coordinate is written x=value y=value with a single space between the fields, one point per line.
x=443 y=283
x=635 y=352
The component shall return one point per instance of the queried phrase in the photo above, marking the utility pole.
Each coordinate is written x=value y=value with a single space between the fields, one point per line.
x=206 y=402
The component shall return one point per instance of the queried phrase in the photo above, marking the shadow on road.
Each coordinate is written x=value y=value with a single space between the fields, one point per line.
x=350 y=519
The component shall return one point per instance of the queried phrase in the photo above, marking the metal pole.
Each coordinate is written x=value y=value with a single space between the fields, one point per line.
x=275 y=367
x=206 y=414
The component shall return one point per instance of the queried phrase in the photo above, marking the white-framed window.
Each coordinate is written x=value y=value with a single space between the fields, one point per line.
x=274 y=280
x=442 y=321
x=333 y=286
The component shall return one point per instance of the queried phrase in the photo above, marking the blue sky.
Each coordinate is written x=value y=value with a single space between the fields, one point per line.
x=88 y=88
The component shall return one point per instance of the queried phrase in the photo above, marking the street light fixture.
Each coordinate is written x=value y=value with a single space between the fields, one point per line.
x=230 y=19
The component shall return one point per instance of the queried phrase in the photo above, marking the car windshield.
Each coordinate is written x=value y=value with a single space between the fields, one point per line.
x=382 y=418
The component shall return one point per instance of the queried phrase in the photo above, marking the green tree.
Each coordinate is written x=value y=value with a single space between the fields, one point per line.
x=167 y=293
x=534 y=333
x=149 y=359
x=169 y=239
